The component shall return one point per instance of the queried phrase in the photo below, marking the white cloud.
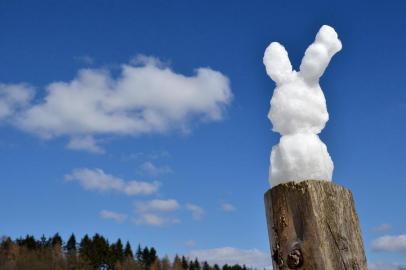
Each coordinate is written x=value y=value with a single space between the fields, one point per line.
x=386 y=266
x=157 y=206
x=14 y=97
x=389 y=243
x=197 y=211
x=154 y=219
x=87 y=143
x=228 y=207
x=97 y=179
x=382 y=228
x=143 y=99
x=155 y=170
x=117 y=217
x=253 y=258
x=152 y=212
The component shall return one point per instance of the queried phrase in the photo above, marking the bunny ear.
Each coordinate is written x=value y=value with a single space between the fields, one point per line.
x=319 y=53
x=276 y=61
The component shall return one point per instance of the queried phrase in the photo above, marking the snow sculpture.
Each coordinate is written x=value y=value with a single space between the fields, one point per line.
x=298 y=111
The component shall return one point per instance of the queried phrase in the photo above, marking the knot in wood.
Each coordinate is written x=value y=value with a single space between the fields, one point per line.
x=295 y=259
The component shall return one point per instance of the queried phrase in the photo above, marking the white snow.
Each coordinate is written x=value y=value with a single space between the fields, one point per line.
x=299 y=112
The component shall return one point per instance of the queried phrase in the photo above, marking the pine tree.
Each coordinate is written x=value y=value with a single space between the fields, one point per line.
x=138 y=254
x=119 y=250
x=196 y=264
x=85 y=250
x=71 y=253
x=165 y=263
x=99 y=252
x=71 y=244
x=28 y=242
x=44 y=242
x=185 y=264
x=146 y=257
x=152 y=256
x=206 y=266
x=128 y=253
x=177 y=263
x=56 y=240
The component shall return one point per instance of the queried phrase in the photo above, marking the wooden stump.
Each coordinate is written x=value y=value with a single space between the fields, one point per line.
x=313 y=225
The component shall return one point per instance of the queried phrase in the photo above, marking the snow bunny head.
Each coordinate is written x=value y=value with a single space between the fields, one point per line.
x=298 y=104
x=298 y=111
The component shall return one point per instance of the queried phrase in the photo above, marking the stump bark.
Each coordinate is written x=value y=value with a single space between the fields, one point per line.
x=313 y=225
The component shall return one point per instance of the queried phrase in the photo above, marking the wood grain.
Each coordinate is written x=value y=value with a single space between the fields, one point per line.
x=313 y=225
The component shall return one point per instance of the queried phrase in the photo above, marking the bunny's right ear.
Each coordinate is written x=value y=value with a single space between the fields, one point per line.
x=319 y=53
x=276 y=61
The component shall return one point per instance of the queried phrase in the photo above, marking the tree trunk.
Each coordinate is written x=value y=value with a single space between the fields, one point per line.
x=313 y=225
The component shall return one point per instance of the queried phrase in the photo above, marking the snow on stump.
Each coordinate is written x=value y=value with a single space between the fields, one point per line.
x=313 y=225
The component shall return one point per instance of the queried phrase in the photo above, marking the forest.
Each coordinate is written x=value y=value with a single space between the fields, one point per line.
x=52 y=253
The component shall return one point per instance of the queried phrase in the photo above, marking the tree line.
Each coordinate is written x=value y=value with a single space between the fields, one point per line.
x=90 y=253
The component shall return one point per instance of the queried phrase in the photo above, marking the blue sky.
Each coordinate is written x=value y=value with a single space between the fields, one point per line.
x=211 y=158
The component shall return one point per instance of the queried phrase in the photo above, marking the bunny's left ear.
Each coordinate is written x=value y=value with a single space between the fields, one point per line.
x=277 y=63
x=319 y=53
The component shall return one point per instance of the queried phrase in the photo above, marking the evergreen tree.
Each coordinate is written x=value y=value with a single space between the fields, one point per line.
x=85 y=249
x=152 y=256
x=196 y=264
x=28 y=242
x=119 y=250
x=206 y=266
x=43 y=242
x=56 y=240
x=185 y=264
x=145 y=257
x=90 y=254
x=148 y=257
x=99 y=252
x=116 y=253
x=165 y=263
x=191 y=266
x=71 y=244
x=177 y=263
x=128 y=253
x=71 y=253
x=138 y=254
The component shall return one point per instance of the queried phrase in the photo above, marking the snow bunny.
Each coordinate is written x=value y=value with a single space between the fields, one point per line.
x=298 y=110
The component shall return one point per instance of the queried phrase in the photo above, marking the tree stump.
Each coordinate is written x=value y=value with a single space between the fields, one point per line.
x=313 y=225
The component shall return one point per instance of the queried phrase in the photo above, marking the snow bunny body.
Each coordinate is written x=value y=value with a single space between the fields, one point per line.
x=298 y=111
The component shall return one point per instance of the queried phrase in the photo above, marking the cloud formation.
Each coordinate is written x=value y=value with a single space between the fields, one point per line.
x=390 y=243
x=14 y=97
x=87 y=143
x=98 y=180
x=386 y=266
x=154 y=170
x=146 y=97
x=151 y=212
x=253 y=258
x=157 y=206
x=154 y=220
x=197 y=211
x=117 y=217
